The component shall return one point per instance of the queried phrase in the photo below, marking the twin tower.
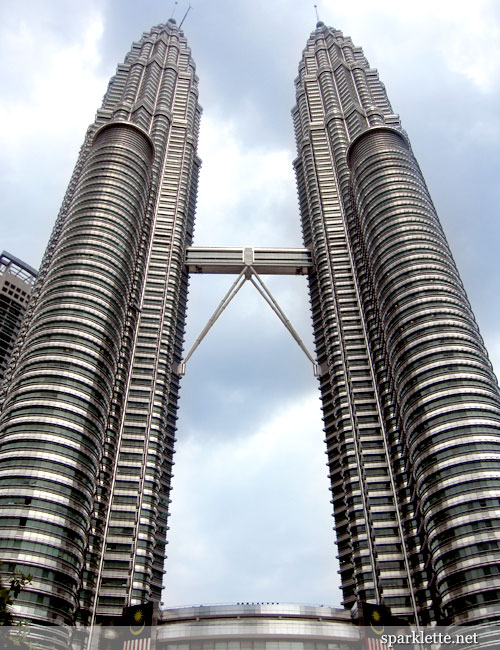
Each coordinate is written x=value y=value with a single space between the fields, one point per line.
x=411 y=406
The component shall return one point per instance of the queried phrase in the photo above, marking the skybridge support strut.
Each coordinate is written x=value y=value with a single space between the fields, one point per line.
x=248 y=272
x=235 y=287
x=272 y=302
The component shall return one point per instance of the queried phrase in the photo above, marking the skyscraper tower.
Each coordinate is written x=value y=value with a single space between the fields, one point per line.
x=410 y=403
x=89 y=418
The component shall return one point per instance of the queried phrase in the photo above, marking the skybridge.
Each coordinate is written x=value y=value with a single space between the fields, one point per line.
x=249 y=263
x=264 y=261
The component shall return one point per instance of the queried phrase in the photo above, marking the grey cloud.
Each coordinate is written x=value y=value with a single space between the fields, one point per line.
x=247 y=371
x=248 y=366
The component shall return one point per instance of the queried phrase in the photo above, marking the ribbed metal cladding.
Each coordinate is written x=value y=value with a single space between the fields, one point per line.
x=410 y=402
x=446 y=392
x=127 y=552
x=339 y=96
x=91 y=408
x=56 y=410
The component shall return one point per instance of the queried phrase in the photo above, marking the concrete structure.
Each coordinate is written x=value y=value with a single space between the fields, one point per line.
x=411 y=405
x=16 y=282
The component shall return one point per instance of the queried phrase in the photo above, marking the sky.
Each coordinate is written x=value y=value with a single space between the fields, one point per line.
x=250 y=517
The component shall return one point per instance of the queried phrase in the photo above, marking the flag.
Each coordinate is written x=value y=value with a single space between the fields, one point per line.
x=375 y=618
x=137 y=644
x=378 y=620
x=375 y=644
x=137 y=621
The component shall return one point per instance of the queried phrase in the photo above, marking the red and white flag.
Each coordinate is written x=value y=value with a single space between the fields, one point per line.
x=375 y=644
x=137 y=644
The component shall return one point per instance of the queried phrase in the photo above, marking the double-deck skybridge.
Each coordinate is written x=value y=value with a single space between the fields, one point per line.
x=248 y=263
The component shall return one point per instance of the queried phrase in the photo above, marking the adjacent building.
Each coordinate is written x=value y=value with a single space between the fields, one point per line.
x=257 y=626
x=16 y=282
x=239 y=626
x=411 y=405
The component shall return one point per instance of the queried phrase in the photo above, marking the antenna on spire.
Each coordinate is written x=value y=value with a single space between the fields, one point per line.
x=316 y=10
x=187 y=11
x=173 y=10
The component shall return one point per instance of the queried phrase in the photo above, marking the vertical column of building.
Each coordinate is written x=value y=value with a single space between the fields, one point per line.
x=365 y=104
x=119 y=105
x=447 y=397
x=133 y=523
x=335 y=101
x=56 y=409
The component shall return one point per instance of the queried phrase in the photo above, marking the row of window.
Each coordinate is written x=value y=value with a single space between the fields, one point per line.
x=40 y=549
x=490 y=547
x=456 y=450
x=472 y=600
x=468 y=507
x=54 y=465
x=60 y=431
x=470 y=575
x=52 y=486
x=56 y=529
x=44 y=505
x=464 y=529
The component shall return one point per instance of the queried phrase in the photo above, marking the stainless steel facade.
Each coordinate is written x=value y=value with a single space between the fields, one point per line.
x=257 y=626
x=411 y=405
x=88 y=422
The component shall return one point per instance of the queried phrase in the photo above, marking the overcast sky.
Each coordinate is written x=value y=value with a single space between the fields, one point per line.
x=251 y=514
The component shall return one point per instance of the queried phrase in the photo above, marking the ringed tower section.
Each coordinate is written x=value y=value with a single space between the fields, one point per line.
x=410 y=401
x=88 y=422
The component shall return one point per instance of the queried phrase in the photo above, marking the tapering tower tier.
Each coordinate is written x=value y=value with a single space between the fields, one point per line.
x=411 y=405
x=88 y=422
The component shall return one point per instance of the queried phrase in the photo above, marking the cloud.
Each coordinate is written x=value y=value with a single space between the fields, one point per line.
x=261 y=506
x=62 y=89
x=459 y=36
x=52 y=87
x=248 y=365
x=246 y=193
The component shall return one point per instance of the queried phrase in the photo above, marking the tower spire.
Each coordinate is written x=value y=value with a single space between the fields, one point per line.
x=187 y=11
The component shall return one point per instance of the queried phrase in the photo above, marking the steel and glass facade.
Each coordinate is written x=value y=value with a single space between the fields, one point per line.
x=256 y=626
x=411 y=405
x=88 y=422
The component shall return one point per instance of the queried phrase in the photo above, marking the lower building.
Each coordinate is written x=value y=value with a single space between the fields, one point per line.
x=261 y=626
x=16 y=282
x=240 y=626
x=256 y=626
